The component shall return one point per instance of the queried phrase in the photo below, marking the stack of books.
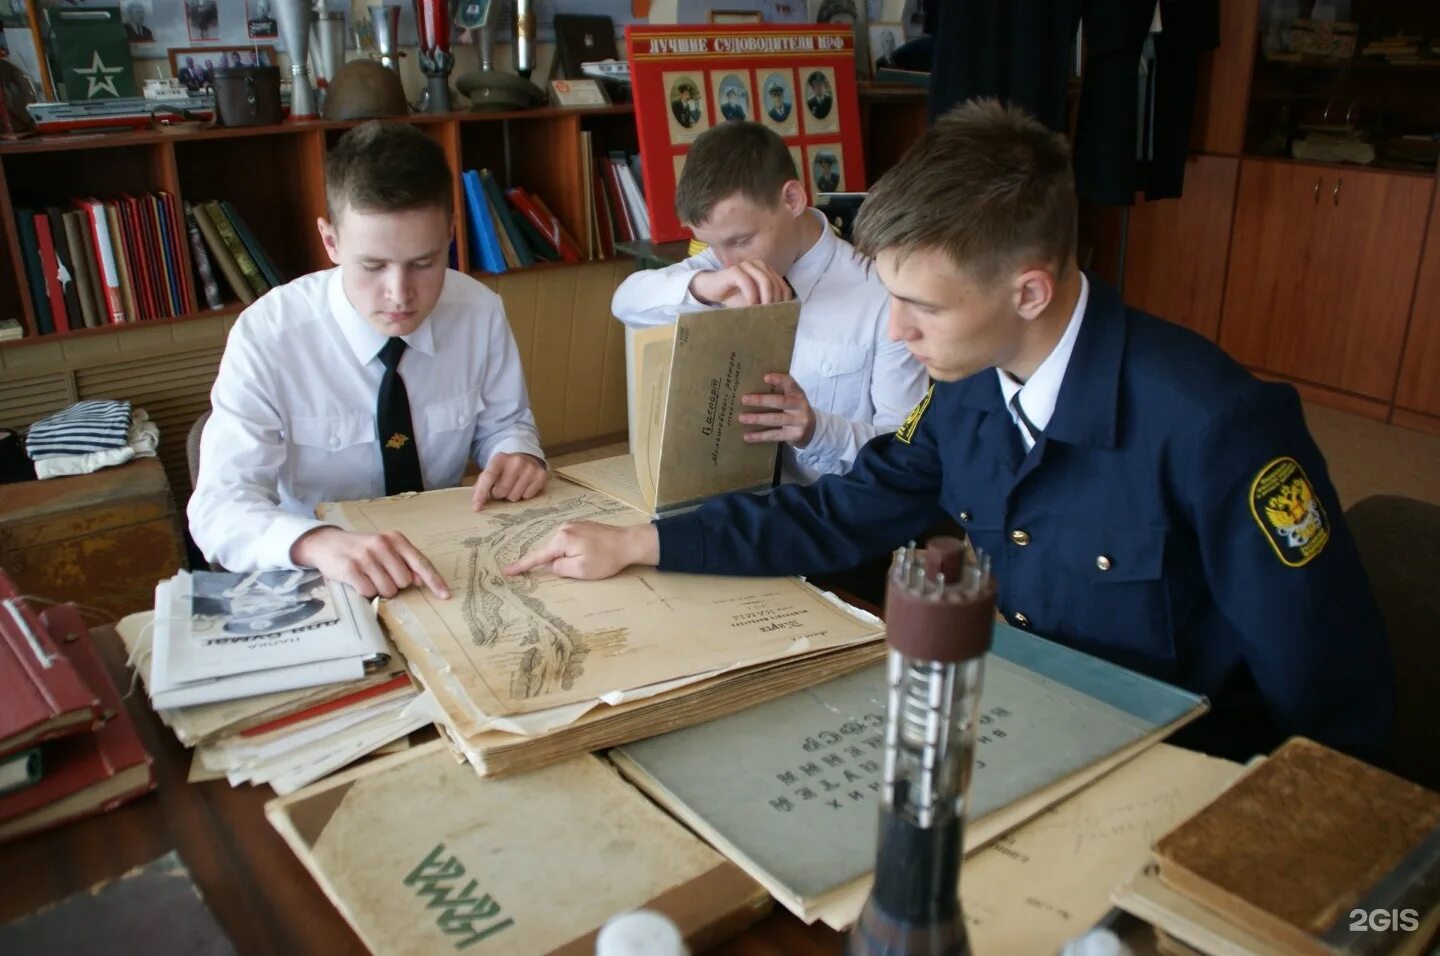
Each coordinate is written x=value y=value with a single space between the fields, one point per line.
x=104 y=262
x=275 y=677
x=68 y=749
x=1310 y=852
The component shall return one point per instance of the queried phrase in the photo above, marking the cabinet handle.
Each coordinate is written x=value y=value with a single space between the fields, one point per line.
x=1317 y=190
x=1335 y=193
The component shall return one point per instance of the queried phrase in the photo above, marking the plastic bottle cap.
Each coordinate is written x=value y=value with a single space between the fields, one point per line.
x=641 y=933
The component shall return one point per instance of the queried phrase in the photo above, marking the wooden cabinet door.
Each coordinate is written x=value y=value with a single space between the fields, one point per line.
x=1275 y=211
x=1322 y=269
x=1420 y=374
x=1175 y=253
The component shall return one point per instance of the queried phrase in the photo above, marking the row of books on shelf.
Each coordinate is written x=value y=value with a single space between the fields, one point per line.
x=619 y=197
x=117 y=261
x=514 y=228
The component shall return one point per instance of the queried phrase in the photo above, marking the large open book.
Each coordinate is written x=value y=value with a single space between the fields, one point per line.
x=788 y=789
x=526 y=658
x=688 y=381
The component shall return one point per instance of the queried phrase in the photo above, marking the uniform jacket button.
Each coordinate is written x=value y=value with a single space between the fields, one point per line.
x=964 y=516
x=1020 y=620
x=1021 y=538
x=1103 y=562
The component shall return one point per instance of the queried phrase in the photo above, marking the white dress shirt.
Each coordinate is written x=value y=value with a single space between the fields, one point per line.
x=1038 y=395
x=860 y=383
x=293 y=420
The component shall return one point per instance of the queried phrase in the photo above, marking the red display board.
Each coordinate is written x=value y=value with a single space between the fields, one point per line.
x=797 y=79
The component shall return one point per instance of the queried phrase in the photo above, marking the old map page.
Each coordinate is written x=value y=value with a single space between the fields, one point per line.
x=506 y=646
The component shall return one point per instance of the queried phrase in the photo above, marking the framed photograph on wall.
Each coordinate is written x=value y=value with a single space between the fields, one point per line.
x=20 y=21
x=885 y=39
x=195 y=66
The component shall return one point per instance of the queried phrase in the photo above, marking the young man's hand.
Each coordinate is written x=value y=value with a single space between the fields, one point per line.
x=591 y=551
x=745 y=283
x=372 y=564
x=509 y=477
x=789 y=415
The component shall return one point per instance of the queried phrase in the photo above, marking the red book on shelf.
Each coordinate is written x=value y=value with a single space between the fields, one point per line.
x=544 y=220
x=605 y=230
x=150 y=243
x=50 y=266
x=136 y=253
x=41 y=694
x=82 y=774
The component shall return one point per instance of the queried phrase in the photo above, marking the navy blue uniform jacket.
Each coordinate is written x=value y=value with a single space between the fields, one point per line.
x=1175 y=517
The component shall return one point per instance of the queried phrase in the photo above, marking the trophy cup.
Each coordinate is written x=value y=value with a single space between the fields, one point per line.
x=386 y=20
x=432 y=25
x=327 y=47
x=293 y=18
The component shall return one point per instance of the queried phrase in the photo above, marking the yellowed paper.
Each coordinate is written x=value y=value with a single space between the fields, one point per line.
x=654 y=349
x=503 y=646
x=1050 y=880
x=616 y=476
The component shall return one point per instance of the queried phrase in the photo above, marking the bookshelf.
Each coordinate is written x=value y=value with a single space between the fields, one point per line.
x=275 y=177
x=571 y=348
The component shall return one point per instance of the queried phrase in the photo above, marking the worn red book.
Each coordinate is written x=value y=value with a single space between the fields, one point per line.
x=544 y=220
x=41 y=695
x=84 y=774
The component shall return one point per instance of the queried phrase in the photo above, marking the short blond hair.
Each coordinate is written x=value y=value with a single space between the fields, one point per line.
x=987 y=184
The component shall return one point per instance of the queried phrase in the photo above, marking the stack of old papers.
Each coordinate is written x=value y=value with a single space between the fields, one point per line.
x=287 y=738
x=527 y=671
x=222 y=636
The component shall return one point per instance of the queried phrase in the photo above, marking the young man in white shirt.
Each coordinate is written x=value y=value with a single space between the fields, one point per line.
x=848 y=382
x=385 y=375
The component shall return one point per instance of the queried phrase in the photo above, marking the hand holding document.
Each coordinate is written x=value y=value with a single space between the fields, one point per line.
x=690 y=443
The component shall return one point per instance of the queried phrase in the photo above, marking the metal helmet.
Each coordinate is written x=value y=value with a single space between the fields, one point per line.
x=363 y=89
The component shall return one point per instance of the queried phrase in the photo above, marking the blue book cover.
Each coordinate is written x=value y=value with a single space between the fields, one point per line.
x=484 y=240
x=789 y=789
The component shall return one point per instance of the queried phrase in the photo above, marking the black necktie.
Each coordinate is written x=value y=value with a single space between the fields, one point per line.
x=1024 y=419
x=392 y=419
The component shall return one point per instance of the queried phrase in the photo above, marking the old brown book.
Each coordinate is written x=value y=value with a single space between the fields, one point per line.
x=422 y=856
x=688 y=381
x=1306 y=841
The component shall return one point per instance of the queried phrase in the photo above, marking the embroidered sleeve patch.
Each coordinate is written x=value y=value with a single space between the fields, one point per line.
x=912 y=421
x=1289 y=513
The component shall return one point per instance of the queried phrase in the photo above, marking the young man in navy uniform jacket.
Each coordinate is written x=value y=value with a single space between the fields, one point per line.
x=1142 y=497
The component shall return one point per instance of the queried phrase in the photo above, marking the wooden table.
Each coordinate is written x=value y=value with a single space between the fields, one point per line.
x=257 y=889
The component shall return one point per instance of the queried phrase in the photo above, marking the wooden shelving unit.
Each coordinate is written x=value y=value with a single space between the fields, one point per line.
x=571 y=348
x=275 y=177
